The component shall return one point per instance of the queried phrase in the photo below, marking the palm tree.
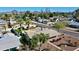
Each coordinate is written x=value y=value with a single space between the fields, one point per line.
x=28 y=22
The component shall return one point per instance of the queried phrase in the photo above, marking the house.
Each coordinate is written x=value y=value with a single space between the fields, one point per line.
x=73 y=23
x=8 y=41
x=45 y=21
x=58 y=18
x=54 y=19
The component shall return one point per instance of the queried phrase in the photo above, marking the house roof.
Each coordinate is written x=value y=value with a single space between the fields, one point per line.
x=74 y=23
x=8 y=41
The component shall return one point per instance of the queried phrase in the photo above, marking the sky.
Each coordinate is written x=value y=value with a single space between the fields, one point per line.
x=52 y=9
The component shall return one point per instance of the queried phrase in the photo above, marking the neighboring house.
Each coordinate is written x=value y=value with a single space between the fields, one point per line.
x=58 y=18
x=70 y=18
x=30 y=26
x=54 y=20
x=8 y=41
x=45 y=21
x=73 y=23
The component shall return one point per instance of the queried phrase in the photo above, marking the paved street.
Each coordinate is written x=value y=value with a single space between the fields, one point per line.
x=40 y=24
x=73 y=34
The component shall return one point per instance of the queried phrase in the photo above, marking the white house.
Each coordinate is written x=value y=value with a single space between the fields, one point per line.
x=45 y=21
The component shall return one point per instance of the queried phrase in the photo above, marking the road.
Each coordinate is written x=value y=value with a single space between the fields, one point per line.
x=73 y=34
x=41 y=24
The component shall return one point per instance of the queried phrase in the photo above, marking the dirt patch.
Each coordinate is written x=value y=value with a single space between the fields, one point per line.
x=66 y=42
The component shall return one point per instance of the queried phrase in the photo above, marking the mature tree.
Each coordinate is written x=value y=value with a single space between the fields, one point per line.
x=34 y=41
x=6 y=16
x=42 y=39
x=28 y=22
x=20 y=21
x=76 y=14
x=25 y=40
x=50 y=14
x=59 y=25
x=39 y=39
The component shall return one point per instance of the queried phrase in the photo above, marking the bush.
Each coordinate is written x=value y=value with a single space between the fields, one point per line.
x=59 y=25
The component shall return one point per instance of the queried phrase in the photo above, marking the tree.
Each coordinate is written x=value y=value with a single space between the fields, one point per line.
x=25 y=40
x=20 y=21
x=39 y=39
x=28 y=22
x=42 y=39
x=50 y=14
x=59 y=25
x=76 y=14
x=6 y=16
x=34 y=42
